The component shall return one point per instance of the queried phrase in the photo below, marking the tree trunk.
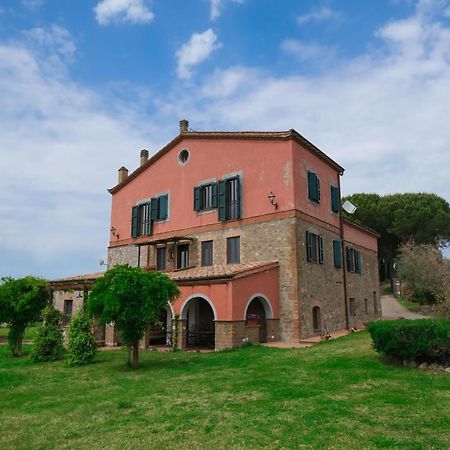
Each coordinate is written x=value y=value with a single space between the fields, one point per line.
x=19 y=345
x=135 y=355
x=128 y=355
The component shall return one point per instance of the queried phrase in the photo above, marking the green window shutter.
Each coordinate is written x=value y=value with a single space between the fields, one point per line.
x=238 y=197
x=318 y=189
x=320 y=239
x=135 y=221
x=312 y=186
x=149 y=221
x=214 y=195
x=163 y=204
x=308 y=246
x=348 y=259
x=197 y=202
x=358 y=261
x=154 y=209
x=337 y=253
x=335 y=200
x=222 y=201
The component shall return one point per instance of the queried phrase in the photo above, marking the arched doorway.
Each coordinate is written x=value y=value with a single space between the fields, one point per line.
x=160 y=333
x=200 y=327
x=258 y=311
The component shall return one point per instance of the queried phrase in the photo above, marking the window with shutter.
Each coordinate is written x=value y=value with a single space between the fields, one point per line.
x=352 y=305
x=314 y=247
x=337 y=254
x=154 y=208
x=320 y=242
x=161 y=258
x=313 y=187
x=221 y=200
x=207 y=253
x=358 y=268
x=229 y=198
x=163 y=205
x=233 y=250
x=205 y=197
x=135 y=221
x=183 y=256
x=197 y=199
x=335 y=199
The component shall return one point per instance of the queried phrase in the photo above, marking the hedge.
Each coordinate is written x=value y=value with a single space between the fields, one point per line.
x=424 y=340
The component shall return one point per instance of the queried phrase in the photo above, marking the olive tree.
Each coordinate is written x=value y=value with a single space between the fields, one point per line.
x=131 y=297
x=21 y=303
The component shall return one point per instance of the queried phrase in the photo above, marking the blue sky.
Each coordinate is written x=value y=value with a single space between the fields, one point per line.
x=85 y=85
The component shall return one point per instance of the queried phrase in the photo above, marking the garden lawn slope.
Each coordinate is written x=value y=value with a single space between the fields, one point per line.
x=334 y=395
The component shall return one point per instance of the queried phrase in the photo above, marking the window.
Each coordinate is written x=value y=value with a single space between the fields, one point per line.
x=233 y=250
x=337 y=254
x=183 y=256
x=143 y=215
x=161 y=258
x=314 y=248
x=313 y=187
x=229 y=199
x=205 y=197
x=68 y=307
x=353 y=260
x=317 y=326
x=207 y=253
x=141 y=222
x=352 y=307
x=183 y=156
x=366 y=306
x=335 y=199
x=375 y=302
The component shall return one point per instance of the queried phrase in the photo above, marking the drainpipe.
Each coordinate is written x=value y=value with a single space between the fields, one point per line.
x=344 y=275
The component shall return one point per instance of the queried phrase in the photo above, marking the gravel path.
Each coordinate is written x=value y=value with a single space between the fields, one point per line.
x=392 y=309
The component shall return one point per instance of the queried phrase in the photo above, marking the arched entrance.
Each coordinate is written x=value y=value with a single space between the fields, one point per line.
x=200 y=327
x=258 y=311
x=317 y=319
x=161 y=333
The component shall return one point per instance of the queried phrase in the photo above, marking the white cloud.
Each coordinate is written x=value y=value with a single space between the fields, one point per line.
x=318 y=15
x=134 y=11
x=308 y=51
x=216 y=7
x=32 y=4
x=195 y=51
x=382 y=115
x=61 y=145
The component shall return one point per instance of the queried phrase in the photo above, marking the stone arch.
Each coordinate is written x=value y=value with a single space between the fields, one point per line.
x=184 y=309
x=264 y=301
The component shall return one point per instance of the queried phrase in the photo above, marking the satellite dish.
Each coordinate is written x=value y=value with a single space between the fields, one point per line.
x=349 y=207
x=101 y=262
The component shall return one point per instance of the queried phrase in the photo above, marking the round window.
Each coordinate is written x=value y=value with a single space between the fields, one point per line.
x=183 y=156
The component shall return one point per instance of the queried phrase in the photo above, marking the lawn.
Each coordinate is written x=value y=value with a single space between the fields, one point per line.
x=337 y=394
x=30 y=332
x=411 y=306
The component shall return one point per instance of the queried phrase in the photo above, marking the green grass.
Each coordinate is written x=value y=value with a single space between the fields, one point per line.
x=411 y=306
x=337 y=394
x=30 y=332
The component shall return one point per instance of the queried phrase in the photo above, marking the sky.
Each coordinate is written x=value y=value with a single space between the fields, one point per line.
x=85 y=85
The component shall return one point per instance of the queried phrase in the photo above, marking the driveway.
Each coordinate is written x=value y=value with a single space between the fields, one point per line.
x=392 y=309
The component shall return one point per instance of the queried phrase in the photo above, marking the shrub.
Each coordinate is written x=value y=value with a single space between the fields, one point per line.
x=424 y=340
x=48 y=345
x=81 y=343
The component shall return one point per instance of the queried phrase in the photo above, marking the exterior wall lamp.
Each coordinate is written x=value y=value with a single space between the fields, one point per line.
x=272 y=199
x=114 y=232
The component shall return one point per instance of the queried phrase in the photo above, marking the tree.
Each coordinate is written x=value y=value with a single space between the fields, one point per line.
x=131 y=298
x=49 y=343
x=81 y=342
x=21 y=302
x=424 y=273
x=398 y=218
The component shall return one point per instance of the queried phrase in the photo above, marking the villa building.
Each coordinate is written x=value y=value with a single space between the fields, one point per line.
x=249 y=226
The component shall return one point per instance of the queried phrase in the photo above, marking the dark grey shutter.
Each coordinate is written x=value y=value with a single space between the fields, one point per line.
x=135 y=221
x=335 y=199
x=149 y=224
x=163 y=207
x=308 y=246
x=349 y=259
x=320 y=239
x=312 y=186
x=318 y=189
x=154 y=209
x=214 y=195
x=222 y=201
x=337 y=253
x=358 y=261
x=197 y=202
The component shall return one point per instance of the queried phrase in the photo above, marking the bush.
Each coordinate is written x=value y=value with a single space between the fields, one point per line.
x=48 y=345
x=81 y=344
x=424 y=340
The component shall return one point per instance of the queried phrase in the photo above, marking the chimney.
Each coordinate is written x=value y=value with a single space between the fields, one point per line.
x=123 y=174
x=144 y=156
x=184 y=125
